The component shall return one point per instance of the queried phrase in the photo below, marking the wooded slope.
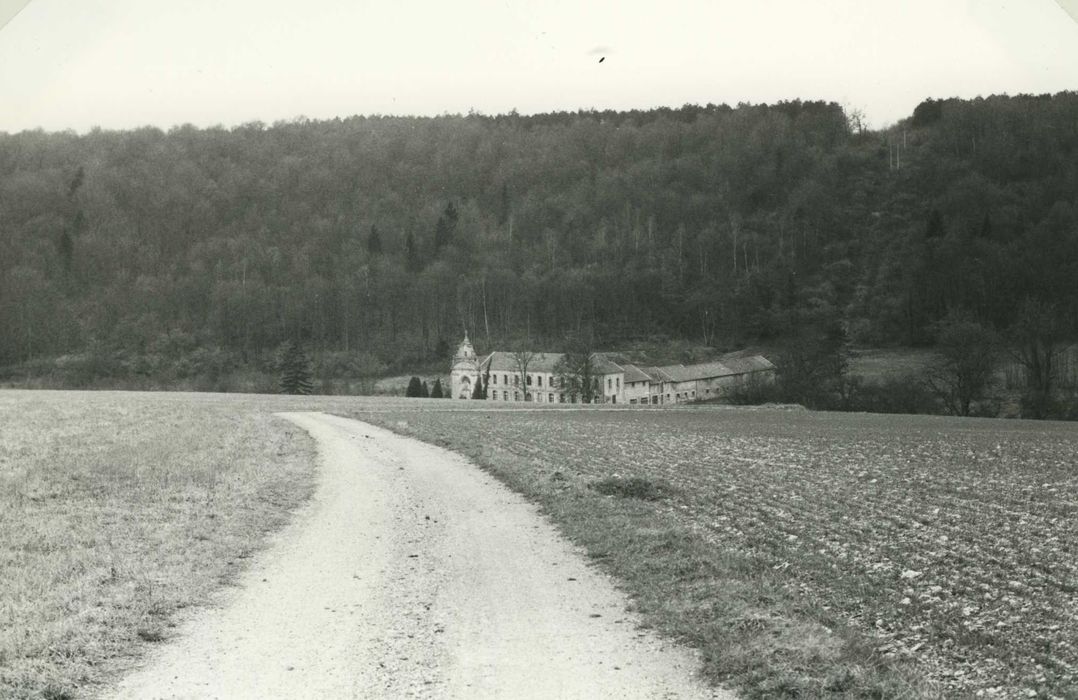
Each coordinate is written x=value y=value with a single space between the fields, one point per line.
x=378 y=237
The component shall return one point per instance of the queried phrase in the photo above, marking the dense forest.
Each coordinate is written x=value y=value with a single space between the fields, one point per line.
x=376 y=241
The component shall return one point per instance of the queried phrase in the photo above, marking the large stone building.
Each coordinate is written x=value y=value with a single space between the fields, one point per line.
x=612 y=383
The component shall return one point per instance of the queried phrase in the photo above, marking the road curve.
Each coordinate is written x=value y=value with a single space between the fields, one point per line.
x=412 y=573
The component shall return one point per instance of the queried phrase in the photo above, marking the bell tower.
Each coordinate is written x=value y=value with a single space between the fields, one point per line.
x=465 y=370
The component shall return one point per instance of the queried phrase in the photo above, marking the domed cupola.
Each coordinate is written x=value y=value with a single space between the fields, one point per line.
x=465 y=351
x=464 y=372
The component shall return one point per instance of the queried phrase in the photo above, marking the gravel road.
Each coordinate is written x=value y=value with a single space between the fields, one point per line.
x=412 y=573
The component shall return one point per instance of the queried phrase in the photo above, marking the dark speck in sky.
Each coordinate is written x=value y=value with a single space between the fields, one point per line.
x=602 y=59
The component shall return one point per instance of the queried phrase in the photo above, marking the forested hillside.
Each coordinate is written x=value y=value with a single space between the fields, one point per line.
x=378 y=240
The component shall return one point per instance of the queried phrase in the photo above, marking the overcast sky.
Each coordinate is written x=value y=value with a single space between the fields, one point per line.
x=74 y=64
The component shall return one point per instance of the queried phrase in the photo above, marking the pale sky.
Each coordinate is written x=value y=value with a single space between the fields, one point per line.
x=75 y=64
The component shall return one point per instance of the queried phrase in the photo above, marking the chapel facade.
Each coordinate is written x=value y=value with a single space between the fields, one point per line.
x=465 y=371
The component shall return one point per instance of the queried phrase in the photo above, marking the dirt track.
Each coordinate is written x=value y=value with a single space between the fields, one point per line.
x=414 y=574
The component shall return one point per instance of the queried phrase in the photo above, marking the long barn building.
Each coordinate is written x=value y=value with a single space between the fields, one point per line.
x=612 y=382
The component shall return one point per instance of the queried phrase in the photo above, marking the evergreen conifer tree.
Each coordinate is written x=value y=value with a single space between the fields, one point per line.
x=424 y=390
x=503 y=209
x=415 y=388
x=411 y=255
x=374 y=241
x=477 y=392
x=436 y=390
x=445 y=228
x=295 y=370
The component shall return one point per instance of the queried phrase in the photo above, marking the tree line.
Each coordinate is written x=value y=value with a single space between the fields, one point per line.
x=377 y=240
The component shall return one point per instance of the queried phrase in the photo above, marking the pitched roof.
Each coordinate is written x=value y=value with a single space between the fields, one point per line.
x=730 y=365
x=744 y=365
x=662 y=374
x=635 y=374
x=705 y=370
x=605 y=366
x=501 y=361
x=680 y=373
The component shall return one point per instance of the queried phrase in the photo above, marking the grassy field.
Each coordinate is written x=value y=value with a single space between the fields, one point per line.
x=815 y=554
x=119 y=510
x=877 y=364
x=805 y=554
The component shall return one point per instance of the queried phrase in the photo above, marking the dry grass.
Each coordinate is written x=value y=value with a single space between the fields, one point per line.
x=879 y=364
x=118 y=510
x=810 y=554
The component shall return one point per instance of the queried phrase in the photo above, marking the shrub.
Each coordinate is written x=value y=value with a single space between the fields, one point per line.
x=752 y=392
x=415 y=388
x=629 y=487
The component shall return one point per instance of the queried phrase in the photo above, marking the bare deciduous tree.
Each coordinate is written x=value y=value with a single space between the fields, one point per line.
x=1038 y=336
x=578 y=368
x=522 y=358
x=968 y=359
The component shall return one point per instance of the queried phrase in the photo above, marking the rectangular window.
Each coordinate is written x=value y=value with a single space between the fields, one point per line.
x=552 y=398
x=505 y=396
x=617 y=383
x=609 y=384
x=505 y=379
x=516 y=396
x=495 y=378
x=528 y=378
x=539 y=379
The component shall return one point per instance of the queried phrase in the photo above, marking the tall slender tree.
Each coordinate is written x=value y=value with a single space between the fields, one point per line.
x=374 y=241
x=578 y=368
x=968 y=356
x=522 y=358
x=295 y=370
x=412 y=261
x=446 y=227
